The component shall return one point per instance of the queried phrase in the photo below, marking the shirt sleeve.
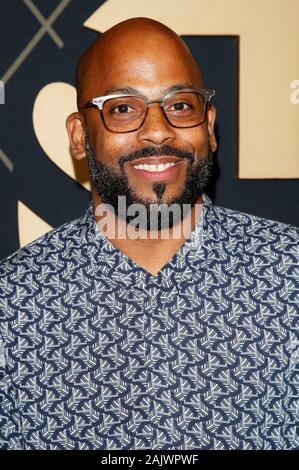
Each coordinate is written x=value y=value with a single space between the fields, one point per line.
x=10 y=430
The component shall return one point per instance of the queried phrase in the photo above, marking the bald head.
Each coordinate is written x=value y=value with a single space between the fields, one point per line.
x=130 y=40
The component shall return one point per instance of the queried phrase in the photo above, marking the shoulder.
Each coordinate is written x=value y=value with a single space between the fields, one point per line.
x=237 y=224
x=37 y=275
x=46 y=250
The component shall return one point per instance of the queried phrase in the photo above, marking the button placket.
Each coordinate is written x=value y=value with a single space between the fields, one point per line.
x=139 y=400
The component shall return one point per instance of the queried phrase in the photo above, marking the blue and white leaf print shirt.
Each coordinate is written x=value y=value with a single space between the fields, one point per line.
x=97 y=353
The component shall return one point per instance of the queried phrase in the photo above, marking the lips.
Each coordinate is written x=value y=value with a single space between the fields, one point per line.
x=156 y=168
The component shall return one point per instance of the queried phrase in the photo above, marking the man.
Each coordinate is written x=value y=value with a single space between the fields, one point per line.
x=184 y=341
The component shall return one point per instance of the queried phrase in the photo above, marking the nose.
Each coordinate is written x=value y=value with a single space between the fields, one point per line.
x=156 y=129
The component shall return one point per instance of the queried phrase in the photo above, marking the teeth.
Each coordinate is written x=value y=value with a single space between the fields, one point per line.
x=159 y=167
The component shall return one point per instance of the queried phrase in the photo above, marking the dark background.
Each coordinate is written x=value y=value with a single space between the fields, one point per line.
x=42 y=186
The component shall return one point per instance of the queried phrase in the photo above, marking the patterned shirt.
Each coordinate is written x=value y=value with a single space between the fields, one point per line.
x=98 y=353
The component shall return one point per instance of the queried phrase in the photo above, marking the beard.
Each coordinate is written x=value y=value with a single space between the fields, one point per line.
x=109 y=184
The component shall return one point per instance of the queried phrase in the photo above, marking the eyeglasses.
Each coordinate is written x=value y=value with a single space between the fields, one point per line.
x=127 y=112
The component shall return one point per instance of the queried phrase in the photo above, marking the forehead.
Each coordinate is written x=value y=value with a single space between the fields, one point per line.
x=151 y=65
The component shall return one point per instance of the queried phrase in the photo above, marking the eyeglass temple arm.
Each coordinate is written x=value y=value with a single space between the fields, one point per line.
x=89 y=104
x=209 y=94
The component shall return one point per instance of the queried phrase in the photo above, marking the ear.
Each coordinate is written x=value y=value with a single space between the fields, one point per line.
x=211 y=117
x=76 y=132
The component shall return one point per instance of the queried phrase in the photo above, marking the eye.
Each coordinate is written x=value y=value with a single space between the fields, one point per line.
x=180 y=106
x=121 y=108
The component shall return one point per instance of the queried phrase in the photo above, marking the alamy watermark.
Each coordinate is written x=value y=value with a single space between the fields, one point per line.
x=294 y=96
x=161 y=221
x=2 y=92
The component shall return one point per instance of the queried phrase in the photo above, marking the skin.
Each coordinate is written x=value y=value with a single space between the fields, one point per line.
x=149 y=57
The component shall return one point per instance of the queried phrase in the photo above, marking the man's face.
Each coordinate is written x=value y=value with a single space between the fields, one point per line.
x=112 y=157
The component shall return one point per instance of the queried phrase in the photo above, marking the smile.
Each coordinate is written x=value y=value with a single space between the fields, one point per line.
x=156 y=168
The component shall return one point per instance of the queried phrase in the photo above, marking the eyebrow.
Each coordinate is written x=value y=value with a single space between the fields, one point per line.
x=134 y=91
x=123 y=89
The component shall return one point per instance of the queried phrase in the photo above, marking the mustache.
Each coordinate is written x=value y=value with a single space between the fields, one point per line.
x=151 y=151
